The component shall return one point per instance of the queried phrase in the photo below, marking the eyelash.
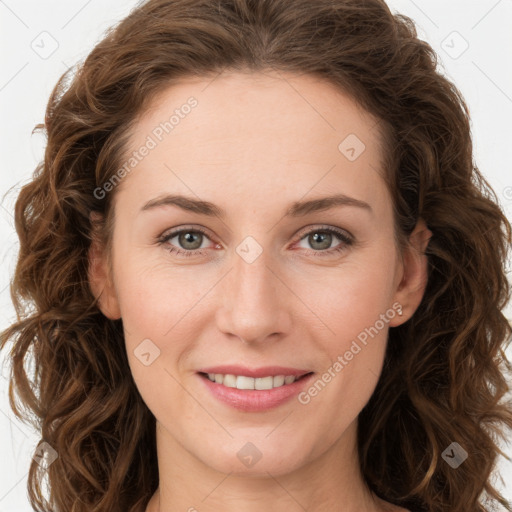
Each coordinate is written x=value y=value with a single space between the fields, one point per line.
x=345 y=239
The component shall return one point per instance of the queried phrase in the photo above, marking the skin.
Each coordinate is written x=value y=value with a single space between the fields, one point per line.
x=253 y=145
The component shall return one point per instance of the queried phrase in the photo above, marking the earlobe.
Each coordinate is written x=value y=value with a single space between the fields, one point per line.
x=411 y=288
x=100 y=280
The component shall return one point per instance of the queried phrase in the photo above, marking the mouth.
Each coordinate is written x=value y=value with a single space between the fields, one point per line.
x=244 y=382
x=254 y=390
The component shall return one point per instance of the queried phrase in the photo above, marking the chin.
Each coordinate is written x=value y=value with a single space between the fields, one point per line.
x=255 y=459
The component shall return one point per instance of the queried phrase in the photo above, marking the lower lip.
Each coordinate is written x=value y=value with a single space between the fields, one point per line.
x=253 y=400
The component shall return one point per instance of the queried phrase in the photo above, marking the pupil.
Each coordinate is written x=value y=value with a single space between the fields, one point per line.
x=189 y=239
x=319 y=237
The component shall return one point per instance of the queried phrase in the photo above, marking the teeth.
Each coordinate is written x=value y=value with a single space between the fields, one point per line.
x=278 y=380
x=229 y=381
x=243 y=382
x=264 y=383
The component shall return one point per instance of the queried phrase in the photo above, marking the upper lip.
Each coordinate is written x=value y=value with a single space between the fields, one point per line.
x=264 y=371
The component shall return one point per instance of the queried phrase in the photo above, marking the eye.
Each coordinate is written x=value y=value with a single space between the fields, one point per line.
x=320 y=239
x=191 y=240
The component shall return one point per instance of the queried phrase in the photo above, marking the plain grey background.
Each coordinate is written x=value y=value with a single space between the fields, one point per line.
x=41 y=39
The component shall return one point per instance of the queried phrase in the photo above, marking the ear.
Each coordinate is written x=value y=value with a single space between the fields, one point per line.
x=100 y=278
x=411 y=287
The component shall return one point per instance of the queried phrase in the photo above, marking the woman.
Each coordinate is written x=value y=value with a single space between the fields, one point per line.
x=198 y=344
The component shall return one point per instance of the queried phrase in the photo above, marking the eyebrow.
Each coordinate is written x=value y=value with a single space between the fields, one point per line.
x=297 y=209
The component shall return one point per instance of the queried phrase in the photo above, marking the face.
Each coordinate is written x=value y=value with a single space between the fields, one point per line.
x=261 y=281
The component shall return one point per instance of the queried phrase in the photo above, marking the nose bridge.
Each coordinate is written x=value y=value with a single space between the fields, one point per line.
x=252 y=309
x=252 y=280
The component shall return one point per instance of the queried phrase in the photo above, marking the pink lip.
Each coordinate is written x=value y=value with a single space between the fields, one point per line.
x=266 y=371
x=252 y=400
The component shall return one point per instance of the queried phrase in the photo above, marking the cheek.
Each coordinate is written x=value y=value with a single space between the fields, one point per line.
x=157 y=306
x=354 y=306
x=352 y=298
x=357 y=316
x=156 y=299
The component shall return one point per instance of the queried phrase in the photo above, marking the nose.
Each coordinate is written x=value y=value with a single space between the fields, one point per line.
x=254 y=302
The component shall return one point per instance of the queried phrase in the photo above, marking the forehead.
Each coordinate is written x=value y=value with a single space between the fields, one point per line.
x=256 y=132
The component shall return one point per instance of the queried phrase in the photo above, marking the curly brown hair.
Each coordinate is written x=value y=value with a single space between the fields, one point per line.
x=444 y=376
